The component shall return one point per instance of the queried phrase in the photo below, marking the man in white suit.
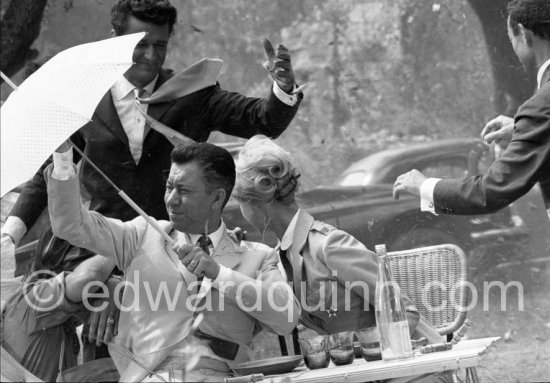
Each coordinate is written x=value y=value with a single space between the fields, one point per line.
x=241 y=285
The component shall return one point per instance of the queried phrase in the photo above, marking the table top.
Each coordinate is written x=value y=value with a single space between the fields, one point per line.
x=466 y=353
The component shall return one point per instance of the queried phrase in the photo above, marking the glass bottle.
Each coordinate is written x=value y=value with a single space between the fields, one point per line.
x=395 y=341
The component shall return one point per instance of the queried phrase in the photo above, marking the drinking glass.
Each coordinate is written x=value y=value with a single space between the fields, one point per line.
x=341 y=348
x=369 y=340
x=315 y=351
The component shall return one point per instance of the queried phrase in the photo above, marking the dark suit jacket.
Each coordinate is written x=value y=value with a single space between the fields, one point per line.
x=525 y=162
x=104 y=141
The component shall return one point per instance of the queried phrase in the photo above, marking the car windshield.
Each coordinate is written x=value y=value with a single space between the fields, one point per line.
x=356 y=178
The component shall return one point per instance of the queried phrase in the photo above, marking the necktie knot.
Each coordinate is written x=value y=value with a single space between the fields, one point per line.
x=204 y=243
x=139 y=92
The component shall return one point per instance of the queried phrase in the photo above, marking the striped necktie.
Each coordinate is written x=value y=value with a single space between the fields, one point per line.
x=205 y=244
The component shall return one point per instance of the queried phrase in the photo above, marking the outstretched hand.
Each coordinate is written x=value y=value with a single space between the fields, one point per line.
x=498 y=130
x=278 y=64
x=409 y=182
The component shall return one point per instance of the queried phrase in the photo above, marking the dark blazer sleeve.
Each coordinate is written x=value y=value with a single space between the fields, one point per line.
x=241 y=116
x=525 y=162
x=33 y=198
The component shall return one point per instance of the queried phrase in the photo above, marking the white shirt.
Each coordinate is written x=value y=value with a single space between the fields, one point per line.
x=541 y=71
x=215 y=237
x=289 y=99
x=124 y=97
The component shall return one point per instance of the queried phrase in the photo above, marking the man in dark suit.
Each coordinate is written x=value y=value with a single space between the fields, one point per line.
x=526 y=159
x=134 y=156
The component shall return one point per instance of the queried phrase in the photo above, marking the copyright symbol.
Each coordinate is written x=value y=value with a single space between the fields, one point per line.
x=38 y=300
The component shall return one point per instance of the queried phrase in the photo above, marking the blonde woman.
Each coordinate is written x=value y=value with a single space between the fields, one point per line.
x=333 y=274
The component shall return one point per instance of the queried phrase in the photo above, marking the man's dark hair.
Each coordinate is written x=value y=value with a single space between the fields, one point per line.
x=216 y=163
x=158 y=12
x=532 y=14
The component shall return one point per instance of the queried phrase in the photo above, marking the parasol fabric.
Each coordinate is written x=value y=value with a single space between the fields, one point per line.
x=56 y=101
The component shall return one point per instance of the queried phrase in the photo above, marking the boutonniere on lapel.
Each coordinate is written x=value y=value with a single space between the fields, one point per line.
x=332 y=312
x=237 y=235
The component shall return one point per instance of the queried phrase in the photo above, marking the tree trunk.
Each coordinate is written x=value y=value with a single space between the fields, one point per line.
x=512 y=85
x=20 y=26
x=336 y=71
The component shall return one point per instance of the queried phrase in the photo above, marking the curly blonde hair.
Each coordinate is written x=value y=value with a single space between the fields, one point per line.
x=265 y=173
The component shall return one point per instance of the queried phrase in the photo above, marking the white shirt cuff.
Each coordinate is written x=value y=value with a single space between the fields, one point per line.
x=223 y=276
x=427 y=195
x=15 y=228
x=288 y=99
x=63 y=168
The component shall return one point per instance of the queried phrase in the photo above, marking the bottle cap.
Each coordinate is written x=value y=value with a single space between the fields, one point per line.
x=380 y=249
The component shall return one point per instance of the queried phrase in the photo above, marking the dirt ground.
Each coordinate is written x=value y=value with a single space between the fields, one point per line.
x=523 y=353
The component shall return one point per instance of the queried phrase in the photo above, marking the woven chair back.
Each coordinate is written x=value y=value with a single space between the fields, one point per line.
x=434 y=278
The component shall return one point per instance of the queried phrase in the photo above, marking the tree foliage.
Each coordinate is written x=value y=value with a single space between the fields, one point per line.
x=20 y=26
x=378 y=73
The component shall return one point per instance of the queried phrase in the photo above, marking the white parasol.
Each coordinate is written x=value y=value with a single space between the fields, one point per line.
x=56 y=101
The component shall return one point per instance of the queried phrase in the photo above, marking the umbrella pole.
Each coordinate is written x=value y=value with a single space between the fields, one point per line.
x=125 y=197
x=8 y=81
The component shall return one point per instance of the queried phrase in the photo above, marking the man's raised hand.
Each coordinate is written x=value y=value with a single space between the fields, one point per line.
x=278 y=64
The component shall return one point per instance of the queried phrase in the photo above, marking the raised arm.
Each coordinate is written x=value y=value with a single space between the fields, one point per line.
x=32 y=200
x=241 y=116
x=73 y=222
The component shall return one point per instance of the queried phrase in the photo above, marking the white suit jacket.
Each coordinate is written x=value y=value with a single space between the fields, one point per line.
x=255 y=295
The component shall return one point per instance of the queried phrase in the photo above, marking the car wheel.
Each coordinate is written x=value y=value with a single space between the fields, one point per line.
x=419 y=237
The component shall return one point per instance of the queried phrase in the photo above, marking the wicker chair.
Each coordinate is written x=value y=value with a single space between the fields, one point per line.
x=440 y=272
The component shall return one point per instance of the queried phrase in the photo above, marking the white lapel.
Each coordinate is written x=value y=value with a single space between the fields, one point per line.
x=226 y=254
x=301 y=232
x=176 y=236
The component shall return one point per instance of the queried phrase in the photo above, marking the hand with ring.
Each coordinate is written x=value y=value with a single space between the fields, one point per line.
x=104 y=316
x=197 y=261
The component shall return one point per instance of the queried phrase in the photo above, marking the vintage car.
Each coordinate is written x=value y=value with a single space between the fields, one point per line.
x=361 y=202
